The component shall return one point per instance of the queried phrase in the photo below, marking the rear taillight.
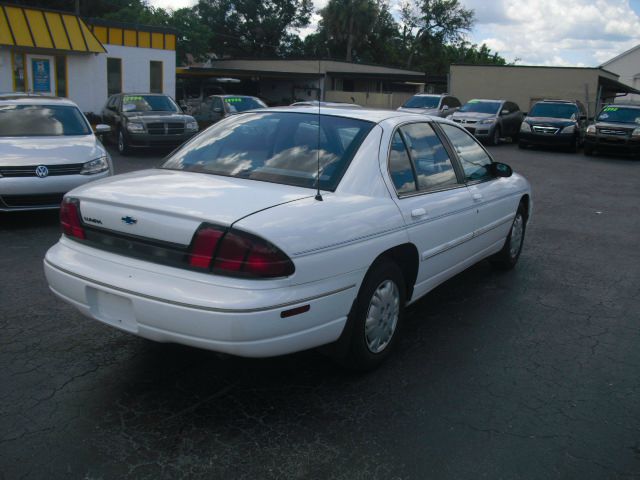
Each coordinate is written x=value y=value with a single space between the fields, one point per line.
x=70 y=218
x=237 y=253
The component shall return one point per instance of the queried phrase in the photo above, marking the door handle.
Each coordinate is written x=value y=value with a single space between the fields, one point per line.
x=477 y=197
x=418 y=212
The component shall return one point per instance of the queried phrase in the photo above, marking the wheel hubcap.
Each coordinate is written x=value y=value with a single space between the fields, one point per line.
x=517 y=230
x=382 y=316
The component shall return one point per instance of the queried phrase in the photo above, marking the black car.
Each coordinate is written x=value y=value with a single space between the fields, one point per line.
x=616 y=129
x=147 y=120
x=560 y=123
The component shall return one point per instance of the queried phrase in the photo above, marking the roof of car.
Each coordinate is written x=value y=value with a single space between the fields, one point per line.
x=625 y=105
x=487 y=100
x=33 y=99
x=368 y=114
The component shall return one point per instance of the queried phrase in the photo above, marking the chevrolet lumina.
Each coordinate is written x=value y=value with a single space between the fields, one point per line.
x=280 y=230
x=47 y=148
x=616 y=129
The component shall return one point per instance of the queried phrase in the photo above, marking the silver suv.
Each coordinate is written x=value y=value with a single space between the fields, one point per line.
x=431 y=104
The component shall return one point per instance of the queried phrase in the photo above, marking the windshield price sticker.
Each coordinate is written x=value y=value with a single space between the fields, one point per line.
x=611 y=109
x=129 y=99
x=233 y=100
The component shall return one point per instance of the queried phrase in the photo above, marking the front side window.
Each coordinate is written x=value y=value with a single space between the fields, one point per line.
x=275 y=147
x=430 y=159
x=114 y=76
x=41 y=120
x=475 y=161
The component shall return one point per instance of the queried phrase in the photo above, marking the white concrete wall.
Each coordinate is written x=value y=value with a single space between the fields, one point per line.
x=87 y=73
x=628 y=67
x=6 y=82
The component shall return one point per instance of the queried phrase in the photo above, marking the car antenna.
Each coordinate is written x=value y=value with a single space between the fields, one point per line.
x=318 y=194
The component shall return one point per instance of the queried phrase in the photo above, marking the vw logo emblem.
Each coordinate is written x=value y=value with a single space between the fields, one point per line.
x=42 y=171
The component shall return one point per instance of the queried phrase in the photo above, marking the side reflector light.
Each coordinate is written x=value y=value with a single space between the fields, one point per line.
x=70 y=218
x=295 y=311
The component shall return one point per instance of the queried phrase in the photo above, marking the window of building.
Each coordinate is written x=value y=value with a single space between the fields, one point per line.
x=61 y=76
x=114 y=76
x=19 y=73
x=155 y=76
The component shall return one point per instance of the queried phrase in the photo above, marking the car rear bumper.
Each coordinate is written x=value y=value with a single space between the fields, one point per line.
x=34 y=193
x=560 y=139
x=167 y=305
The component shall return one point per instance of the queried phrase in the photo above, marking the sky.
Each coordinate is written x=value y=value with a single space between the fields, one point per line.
x=539 y=32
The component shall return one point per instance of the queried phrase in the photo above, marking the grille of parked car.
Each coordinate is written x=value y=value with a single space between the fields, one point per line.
x=17 y=201
x=165 y=128
x=464 y=121
x=546 y=130
x=30 y=170
x=610 y=131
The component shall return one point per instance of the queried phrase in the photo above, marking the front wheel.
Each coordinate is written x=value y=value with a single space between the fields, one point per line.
x=588 y=150
x=376 y=317
x=123 y=147
x=495 y=138
x=507 y=258
x=575 y=145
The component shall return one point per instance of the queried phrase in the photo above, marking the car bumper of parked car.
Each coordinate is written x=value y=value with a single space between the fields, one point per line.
x=541 y=139
x=166 y=304
x=142 y=140
x=612 y=144
x=481 y=131
x=34 y=193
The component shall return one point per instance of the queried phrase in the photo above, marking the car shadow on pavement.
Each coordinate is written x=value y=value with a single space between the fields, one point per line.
x=28 y=220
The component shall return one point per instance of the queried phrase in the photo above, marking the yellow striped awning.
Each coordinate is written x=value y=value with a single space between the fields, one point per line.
x=36 y=28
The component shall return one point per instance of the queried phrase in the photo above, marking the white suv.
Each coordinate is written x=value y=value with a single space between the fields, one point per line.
x=47 y=148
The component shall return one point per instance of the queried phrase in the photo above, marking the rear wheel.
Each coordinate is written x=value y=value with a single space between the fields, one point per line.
x=507 y=258
x=376 y=317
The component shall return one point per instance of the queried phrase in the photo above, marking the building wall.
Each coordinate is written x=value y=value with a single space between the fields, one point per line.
x=628 y=67
x=372 y=100
x=525 y=85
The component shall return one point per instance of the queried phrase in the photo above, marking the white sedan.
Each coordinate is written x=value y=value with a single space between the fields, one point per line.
x=236 y=243
x=47 y=148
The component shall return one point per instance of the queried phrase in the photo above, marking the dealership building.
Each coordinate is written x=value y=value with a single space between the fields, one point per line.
x=85 y=60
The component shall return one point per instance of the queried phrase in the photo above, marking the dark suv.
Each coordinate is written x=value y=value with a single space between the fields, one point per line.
x=616 y=129
x=147 y=120
x=554 y=123
x=431 y=104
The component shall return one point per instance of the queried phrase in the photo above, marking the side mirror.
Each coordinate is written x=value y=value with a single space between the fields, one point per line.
x=217 y=110
x=445 y=108
x=101 y=129
x=505 y=112
x=501 y=169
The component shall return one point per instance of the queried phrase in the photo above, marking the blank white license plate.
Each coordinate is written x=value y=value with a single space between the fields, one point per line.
x=113 y=309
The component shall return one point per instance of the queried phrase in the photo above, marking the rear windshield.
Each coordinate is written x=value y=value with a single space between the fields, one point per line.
x=619 y=115
x=479 y=106
x=554 y=110
x=275 y=147
x=148 y=103
x=242 y=104
x=422 y=102
x=41 y=120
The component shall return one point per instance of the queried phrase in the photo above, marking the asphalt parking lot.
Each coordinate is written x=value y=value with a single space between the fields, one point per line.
x=533 y=373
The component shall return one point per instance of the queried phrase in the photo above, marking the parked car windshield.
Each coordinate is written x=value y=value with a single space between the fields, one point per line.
x=41 y=120
x=275 y=147
x=479 y=106
x=148 y=103
x=619 y=115
x=420 y=101
x=242 y=104
x=554 y=110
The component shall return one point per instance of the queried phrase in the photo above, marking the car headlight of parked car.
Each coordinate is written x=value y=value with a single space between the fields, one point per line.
x=569 y=129
x=487 y=121
x=191 y=126
x=636 y=133
x=95 y=166
x=591 y=130
x=135 y=127
x=525 y=127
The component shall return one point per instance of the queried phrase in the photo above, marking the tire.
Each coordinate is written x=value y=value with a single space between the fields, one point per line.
x=522 y=145
x=374 y=333
x=121 y=142
x=575 y=146
x=507 y=258
x=495 y=138
x=588 y=150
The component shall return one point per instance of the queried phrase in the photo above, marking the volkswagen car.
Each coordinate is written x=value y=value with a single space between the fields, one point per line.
x=142 y=120
x=431 y=104
x=47 y=147
x=616 y=130
x=490 y=120
x=559 y=123
x=283 y=229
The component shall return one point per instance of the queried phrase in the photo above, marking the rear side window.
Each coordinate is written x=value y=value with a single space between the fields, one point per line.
x=475 y=161
x=400 y=166
x=430 y=159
